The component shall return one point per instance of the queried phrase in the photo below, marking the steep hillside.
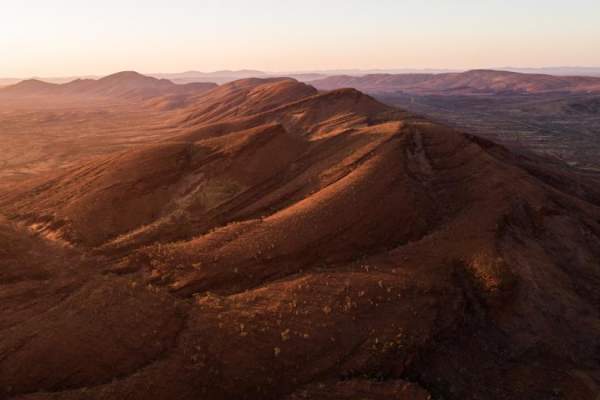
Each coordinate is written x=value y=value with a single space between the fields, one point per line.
x=288 y=244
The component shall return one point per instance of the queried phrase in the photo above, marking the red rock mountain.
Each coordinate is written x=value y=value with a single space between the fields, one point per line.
x=289 y=244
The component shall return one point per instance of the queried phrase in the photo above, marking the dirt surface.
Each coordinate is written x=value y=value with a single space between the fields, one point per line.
x=299 y=245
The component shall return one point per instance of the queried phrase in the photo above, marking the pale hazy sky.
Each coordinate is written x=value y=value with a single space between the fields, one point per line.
x=77 y=37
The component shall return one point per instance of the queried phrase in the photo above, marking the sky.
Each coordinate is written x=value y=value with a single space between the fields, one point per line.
x=96 y=37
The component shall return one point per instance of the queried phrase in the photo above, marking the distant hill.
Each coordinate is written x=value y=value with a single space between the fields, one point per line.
x=126 y=85
x=470 y=82
x=29 y=87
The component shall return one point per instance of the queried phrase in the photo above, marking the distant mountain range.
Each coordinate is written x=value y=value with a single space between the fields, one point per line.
x=182 y=89
x=225 y=76
x=127 y=85
x=463 y=83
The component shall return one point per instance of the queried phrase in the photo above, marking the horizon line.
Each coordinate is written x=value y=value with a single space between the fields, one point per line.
x=303 y=71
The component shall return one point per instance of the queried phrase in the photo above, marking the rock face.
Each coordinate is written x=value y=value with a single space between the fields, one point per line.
x=302 y=245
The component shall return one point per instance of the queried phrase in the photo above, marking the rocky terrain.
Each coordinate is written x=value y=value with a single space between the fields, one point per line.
x=263 y=240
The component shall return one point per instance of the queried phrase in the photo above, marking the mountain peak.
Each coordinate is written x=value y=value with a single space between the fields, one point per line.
x=130 y=76
x=125 y=74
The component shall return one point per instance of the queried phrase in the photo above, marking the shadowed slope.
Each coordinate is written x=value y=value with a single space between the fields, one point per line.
x=180 y=174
